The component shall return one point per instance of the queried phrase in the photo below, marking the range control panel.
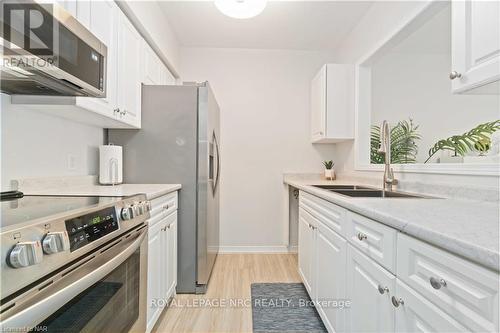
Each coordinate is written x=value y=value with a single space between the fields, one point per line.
x=85 y=229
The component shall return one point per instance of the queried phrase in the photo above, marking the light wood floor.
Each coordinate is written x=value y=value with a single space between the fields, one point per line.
x=231 y=279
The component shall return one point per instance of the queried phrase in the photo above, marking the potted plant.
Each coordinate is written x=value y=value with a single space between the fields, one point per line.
x=329 y=172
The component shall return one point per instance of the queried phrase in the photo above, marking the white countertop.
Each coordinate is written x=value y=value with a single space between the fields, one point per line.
x=467 y=228
x=150 y=190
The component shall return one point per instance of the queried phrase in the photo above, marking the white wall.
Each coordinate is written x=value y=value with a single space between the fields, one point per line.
x=264 y=101
x=382 y=20
x=35 y=144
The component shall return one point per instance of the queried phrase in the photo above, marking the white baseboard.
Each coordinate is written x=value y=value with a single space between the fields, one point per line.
x=293 y=249
x=255 y=249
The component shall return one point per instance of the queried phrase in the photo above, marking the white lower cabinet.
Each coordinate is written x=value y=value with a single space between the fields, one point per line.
x=394 y=282
x=416 y=314
x=369 y=287
x=330 y=281
x=162 y=264
x=306 y=247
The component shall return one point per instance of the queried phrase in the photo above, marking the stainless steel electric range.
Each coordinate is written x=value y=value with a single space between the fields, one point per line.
x=71 y=264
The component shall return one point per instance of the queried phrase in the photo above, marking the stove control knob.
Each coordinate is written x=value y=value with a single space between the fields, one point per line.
x=126 y=213
x=141 y=207
x=147 y=206
x=26 y=254
x=55 y=242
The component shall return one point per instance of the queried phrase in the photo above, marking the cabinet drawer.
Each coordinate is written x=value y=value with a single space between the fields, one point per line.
x=373 y=239
x=326 y=212
x=466 y=291
x=163 y=205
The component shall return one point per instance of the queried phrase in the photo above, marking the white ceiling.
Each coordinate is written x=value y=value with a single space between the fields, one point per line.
x=299 y=25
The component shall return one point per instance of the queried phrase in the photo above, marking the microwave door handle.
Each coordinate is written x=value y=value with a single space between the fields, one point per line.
x=38 y=312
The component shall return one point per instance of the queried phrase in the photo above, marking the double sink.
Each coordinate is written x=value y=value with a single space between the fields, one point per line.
x=366 y=192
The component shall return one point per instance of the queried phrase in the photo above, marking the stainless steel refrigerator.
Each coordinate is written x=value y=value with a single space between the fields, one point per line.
x=179 y=143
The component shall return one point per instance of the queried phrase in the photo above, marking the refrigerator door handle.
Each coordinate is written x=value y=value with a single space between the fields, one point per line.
x=217 y=170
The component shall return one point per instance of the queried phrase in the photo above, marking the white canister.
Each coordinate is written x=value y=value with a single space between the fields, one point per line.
x=110 y=165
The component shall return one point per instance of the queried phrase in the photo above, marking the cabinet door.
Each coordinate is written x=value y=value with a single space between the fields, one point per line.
x=331 y=273
x=416 y=314
x=155 y=241
x=475 y=43
x=305 y=249
x=172 y=256
x=318 y=105
x=129 y=80
x=104 y=25
x=370 y=310
x=152 y=65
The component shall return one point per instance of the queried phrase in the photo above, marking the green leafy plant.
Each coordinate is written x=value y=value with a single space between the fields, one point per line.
x=475 y=139
x=328 y=164
x=404 y=147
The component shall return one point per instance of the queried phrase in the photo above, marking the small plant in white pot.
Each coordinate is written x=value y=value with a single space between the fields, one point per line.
x=329 y=172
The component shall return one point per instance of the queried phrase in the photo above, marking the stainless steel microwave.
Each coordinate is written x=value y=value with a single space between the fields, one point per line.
x=46 y=51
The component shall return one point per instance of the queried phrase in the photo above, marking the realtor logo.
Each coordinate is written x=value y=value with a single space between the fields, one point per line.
x=28 y=27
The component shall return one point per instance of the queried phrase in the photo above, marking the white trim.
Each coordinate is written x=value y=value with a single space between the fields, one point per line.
x=254 y=249
x=363 y=112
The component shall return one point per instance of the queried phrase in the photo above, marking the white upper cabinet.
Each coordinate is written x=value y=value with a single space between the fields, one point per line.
x=152 y=65
x=332 y=104
x=103 y=24
x=155 y=71
x=129 y=72
x=475 y=44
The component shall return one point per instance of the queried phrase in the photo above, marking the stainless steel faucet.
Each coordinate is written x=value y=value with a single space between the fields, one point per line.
x=385 y=148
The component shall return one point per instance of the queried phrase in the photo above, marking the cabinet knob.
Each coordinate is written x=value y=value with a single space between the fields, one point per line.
x=166 y=207
x=454 y=75
x=397 y=301
x=383 y=290
x=437 y=283
x=362 y=236
x=117 y=110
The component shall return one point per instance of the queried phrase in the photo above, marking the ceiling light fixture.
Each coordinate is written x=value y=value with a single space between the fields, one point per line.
x=241 y=9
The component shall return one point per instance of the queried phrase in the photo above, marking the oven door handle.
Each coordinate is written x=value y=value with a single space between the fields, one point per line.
x=36 y=313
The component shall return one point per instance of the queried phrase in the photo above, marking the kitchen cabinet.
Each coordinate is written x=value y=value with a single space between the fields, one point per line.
x=369 y=287
x=121 y=108
x=475 y=44
x=129 y=72
x=394 y=282
x=305 y=251
x=104 y=24
x=162 y=256
x=415 y=314
x=330 y=280
x=332 y=104
x=155 y=274
x=155 y=71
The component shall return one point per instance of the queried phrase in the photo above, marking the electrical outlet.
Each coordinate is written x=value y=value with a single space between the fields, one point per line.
x=71 y=162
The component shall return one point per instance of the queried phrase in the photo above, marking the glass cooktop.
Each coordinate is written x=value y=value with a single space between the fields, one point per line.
x=32 y=207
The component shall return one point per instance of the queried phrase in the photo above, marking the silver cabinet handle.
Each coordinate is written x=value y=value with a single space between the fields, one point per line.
x=382 y=290
x=124 y=112
x=362 y=236
x=397 y=301
x=117 y=110
x=437 y=283
x=166 y=207
x=454 y=75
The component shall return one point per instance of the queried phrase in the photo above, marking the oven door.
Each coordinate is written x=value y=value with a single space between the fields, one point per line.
x=102 y=292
